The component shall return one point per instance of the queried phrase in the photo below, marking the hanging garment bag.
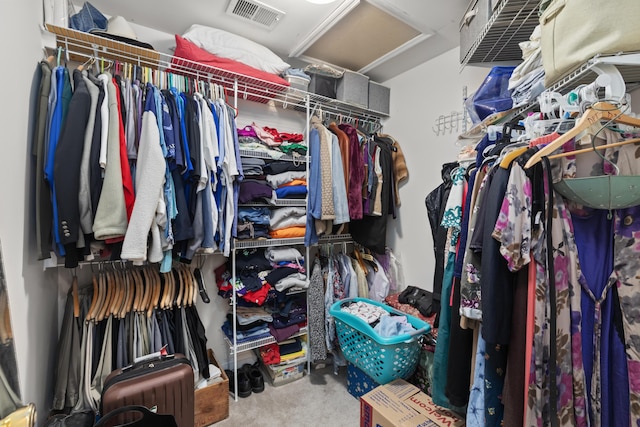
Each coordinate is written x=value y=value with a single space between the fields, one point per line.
x=165 y=383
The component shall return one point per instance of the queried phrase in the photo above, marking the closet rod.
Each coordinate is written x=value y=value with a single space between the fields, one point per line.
x=122 y=262
x=342 y=118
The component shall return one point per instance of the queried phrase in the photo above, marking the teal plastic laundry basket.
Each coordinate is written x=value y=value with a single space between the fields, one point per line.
x=382 y=358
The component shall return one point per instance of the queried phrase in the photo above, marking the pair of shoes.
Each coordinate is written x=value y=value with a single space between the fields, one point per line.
x=255 y=377
x=244 y=384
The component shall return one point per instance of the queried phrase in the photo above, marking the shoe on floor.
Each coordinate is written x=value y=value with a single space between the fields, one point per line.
x=244 y=384
x=255 y=377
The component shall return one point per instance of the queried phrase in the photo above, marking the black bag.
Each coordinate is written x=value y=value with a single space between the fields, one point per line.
x=418 y=298
x=74 y=419
x=149 y=419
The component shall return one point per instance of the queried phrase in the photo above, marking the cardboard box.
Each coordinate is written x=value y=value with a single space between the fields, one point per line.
x=212 y=401
x=285 y=373
x=400 y=404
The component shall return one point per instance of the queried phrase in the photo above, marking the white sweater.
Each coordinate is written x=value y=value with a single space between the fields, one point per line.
x=149 y=188
x=111 y=213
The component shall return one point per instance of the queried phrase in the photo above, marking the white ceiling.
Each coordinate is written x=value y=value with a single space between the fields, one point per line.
x=439 y=18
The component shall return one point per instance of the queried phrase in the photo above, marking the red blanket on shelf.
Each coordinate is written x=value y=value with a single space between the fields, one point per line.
x=257 y=81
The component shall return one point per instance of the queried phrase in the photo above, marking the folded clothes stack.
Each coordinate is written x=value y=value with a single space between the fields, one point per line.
x=285 y=352
x=287 y=222
x=288 y=269
x=253 y=222
x=271 y=141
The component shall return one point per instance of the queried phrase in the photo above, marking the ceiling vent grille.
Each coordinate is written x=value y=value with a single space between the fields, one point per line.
x=256 y=12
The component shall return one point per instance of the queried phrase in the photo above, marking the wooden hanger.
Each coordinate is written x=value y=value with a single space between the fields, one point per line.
x=151 y=305
x=192 y=286
x=94 y=299
x=102 y=278
x=598 y=147
x=144 y=292
x=132 y=284
x=168 y=283
x=121 y=295
x=76 y=296
x=180 y=287
x=124 y=294
x=104 y=295
x=4 y=308
x=598 y=111
x=168 y=286
x=191 y=282
x=138 y=286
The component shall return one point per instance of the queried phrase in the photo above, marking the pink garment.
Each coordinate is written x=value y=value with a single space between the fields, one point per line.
x=265 y=136
x=247 y=131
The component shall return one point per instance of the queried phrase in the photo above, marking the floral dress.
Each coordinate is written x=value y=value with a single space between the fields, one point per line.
x=514 y=231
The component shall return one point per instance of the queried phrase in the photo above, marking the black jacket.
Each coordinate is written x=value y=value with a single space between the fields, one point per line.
x=67 y=168
x=435 y=203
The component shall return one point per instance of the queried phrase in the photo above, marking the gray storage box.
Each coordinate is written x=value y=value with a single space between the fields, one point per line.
x=323 y=85
x=353 y=88
x=379 y=97
x=472 y=23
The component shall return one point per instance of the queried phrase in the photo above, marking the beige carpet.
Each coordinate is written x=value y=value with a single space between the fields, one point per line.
x=319 y=399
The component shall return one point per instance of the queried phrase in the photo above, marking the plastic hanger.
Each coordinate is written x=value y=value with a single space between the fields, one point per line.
x=598 y=111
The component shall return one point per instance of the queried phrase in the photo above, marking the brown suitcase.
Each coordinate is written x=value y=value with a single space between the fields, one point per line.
x=165 y=383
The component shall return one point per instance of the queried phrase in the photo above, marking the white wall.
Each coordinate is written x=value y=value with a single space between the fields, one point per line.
x=418 y=97
x=31 y=292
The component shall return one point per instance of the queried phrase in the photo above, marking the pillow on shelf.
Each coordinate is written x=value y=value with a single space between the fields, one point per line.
x=187 y=50
x=233 y=46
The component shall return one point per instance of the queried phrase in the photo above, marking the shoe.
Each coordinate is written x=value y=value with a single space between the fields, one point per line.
x=255 y=377
x=244 y=384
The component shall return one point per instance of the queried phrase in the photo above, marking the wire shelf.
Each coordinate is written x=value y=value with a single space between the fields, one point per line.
x=512 y=22
x=250 y=345
x=333 y=238
x=265 y=243
x=85 y=45
x=628 y=63
x=272 y=156
x=277 y=203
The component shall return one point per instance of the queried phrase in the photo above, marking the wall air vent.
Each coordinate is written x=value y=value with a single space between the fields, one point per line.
x=256 y=12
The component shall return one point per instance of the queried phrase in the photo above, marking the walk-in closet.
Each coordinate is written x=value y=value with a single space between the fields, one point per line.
x=320 y=212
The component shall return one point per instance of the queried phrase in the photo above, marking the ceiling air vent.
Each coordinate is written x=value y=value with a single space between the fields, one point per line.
x=256 y=12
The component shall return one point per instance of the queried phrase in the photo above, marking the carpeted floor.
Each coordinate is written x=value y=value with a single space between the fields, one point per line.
x=319 y=399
